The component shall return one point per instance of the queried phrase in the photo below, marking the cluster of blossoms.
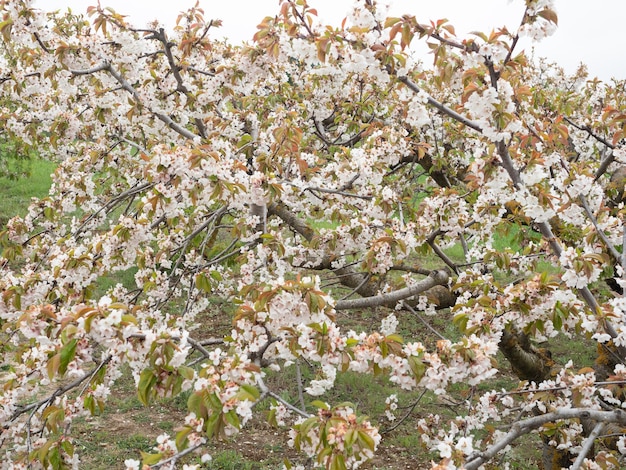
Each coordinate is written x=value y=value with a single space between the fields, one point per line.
x=350 y=440
x=578 y=273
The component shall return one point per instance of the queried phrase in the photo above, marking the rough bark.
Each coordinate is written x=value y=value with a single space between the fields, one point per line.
x=528 y=362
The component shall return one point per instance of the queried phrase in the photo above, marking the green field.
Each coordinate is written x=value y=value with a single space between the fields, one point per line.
x=16 y=193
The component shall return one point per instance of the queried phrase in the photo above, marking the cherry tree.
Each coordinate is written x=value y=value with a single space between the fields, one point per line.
x=312 y=171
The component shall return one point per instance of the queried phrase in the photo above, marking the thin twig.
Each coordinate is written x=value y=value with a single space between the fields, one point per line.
x=623 y=257
x=58 y=392
x=299 y=383
x=424 y=322
x=366 y=278
x=340 y=193
x=174 y=458
x=265 y=391
x=407 y=414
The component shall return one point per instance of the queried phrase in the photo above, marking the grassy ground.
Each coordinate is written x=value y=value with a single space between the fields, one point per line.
x=16 y=194
x=127 y=427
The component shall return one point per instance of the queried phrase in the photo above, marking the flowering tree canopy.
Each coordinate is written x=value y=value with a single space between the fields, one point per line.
x=314 y=171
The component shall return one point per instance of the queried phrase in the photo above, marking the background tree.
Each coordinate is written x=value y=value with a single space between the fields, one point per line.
x=252 y=173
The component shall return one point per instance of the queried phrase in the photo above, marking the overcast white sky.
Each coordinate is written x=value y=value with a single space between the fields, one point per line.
x=589 y=32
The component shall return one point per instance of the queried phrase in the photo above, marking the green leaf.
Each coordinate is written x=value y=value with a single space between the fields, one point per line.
x=271 y=418
x=150 y=459
x=366 y=440
x=214 y=425
x=245 y=140
x=389 y=22
x=320 y=405
x=203 y=283
x=460 y=320
x=214 y=401
x=248 y=392
x=66 y=355
x=67 y=447
x=186 y=372
x=306 y=426
x=233 y=419
x=181 y=438
x=396 y=338
x=417 y=367
x=338 y=462
x=55 y=459
x=5 y=29
x=147 y=379
x=549 y=15
x=350 y=438
x=89 y=403
x=325 y=452
x=53 y=365
x=195 y=404
x=42 y=453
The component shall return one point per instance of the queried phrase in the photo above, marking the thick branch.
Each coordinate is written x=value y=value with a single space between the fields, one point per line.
x=292 y=220
x=526 y=362
x=390 y=299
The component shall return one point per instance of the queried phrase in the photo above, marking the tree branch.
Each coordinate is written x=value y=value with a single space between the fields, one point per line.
x=59 y=391
x=546 y=231
x=587 y=445
x=436 y=278
x=353 y=279
x=180 y=84
x=441 y=107
x=522 y=428
x=129 y=88
x=424 y=322
x=174 y=458
x=265 y=391
x=614 y=253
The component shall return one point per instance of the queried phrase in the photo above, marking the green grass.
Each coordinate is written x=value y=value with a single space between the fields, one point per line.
x=98 y=450
x=231 y=460
x=17 y=193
